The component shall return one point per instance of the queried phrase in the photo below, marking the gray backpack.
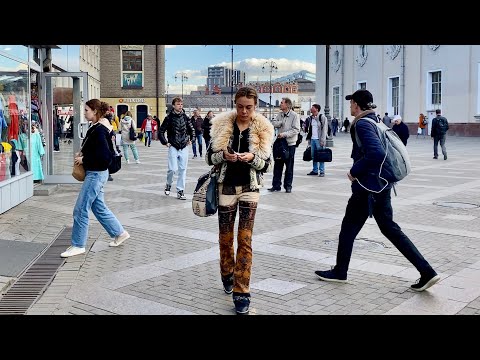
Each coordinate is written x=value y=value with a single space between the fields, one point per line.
x=396 y=163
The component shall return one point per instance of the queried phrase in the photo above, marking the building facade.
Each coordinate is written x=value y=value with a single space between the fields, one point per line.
x=221 y=77
x=406 y=80
x=133 y=79
x=90 y=63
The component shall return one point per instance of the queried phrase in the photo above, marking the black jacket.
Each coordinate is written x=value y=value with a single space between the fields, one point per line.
x=179 y=130
x=206 y=128
x=402 y=131
x=96 y=150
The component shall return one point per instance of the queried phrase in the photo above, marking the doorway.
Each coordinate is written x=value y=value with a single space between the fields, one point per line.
x=121 y=110
x=142 y=112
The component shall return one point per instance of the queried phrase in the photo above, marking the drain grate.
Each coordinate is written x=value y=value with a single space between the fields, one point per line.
x=36 y=279
x=456 y=205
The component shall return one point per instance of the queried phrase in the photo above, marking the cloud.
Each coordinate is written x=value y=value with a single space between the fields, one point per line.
x=253 y=67
x=170 y=46
x=282 y=46
x=176 y=88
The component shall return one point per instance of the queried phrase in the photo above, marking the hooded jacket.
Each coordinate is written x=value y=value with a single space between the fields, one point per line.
x=259 y=144
x=96 y=149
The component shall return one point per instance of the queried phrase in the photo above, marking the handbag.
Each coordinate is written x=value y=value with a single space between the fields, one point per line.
x=307 y=154
x=116 y=163
x=132 y=134
x=78 y=171
x=205 y=196
x=323 y=155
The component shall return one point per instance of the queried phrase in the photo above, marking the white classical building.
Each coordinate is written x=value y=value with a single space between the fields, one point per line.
x=406 y=80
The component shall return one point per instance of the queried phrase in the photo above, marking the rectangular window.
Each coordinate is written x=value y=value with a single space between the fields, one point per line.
x=394 y=94
x=362 y=85
x=436 y=96
x=336 y=102
x=132 y=60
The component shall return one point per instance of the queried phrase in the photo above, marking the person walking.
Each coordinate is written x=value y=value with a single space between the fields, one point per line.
x=375 y=202
x=400 y=129
x=127 y=123
x=95 y=156
x=180 y=134
x=422 y=125
x=241 y=146
x=439 y=134
x=288 y=124
x=148 y=125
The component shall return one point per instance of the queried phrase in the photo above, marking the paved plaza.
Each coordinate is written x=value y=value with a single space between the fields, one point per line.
x=170 y=265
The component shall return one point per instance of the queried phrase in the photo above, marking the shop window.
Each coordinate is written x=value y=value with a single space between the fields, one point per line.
x=15 y=155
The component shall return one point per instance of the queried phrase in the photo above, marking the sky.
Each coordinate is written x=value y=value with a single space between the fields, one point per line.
x=193 y=60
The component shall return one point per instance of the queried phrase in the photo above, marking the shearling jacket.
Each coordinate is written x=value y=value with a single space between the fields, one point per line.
x=259 y=144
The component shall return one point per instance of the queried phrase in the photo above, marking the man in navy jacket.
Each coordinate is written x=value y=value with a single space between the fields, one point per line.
x=376 y=201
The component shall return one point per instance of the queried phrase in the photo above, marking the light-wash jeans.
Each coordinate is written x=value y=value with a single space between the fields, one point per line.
x=91 y=196
x=315 y=144
x=134 y=150
x=177 y=161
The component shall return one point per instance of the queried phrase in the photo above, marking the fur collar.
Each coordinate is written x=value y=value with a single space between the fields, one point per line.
x=260 y=138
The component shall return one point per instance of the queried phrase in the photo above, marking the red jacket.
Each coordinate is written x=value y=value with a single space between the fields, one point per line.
x=144 y=125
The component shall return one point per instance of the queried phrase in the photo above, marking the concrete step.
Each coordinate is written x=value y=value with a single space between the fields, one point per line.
x=45 y=189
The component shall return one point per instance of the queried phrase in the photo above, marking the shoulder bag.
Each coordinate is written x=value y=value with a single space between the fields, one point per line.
x=205 y=196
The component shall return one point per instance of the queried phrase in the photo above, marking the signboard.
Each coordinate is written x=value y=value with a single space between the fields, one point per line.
x=66 y=110
x=131 y=100
x=132 y=80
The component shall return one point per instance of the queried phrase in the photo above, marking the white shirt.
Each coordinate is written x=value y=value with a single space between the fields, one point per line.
x=315 y=128
x=148 y=127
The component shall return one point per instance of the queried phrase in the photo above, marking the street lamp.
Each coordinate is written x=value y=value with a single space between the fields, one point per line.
x=183 y=76
x=233 y=77
x=329 y=142
x=272 y=66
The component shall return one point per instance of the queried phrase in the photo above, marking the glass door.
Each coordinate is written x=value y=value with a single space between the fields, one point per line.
x=62 y=103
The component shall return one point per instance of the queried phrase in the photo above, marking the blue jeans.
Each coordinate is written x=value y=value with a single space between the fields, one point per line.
x=148 y=136
x=315 y=145
x=194 y=145
x=177 y=160
x=91 y=196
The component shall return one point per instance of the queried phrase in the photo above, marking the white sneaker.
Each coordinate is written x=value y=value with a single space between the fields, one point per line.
x=128 y=161
x=119 y=239
x=138 y=161
x=72 y=251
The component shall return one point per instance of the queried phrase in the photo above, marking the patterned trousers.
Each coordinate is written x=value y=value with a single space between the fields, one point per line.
x=231 y=197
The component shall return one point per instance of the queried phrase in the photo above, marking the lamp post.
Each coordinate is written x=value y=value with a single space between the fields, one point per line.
x=272 y=66
x=183 y=76
x=232 y=78
x=329 y=142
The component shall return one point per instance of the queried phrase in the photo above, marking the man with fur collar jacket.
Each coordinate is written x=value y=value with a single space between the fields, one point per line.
x=375 y=201
x=241 y=146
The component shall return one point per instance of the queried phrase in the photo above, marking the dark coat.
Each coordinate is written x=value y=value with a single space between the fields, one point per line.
x=402 y=132
x=179 y=130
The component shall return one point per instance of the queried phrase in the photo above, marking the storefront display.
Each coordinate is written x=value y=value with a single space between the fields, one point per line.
x=15 y=132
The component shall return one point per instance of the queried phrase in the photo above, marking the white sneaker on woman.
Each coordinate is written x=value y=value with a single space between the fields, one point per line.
x=119 y=239
x=72 y=251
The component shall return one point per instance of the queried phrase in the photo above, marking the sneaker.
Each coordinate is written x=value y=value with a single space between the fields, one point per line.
x=128 y=161
x=272 y=189
x=167 y=189
x=444 y=157
x=137 y=161
x=119 y=239
x=321 y=174
x=331 y=275
x=72 y=251
x=227 y=283
x=110 y=178
x=435 y=157
x=181 y=195
x=194 y=156
x=288 y=190
x=425 y=282
x=242 y=304
x=312 y=173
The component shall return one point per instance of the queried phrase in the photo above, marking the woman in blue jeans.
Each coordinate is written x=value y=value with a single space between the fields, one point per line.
x=95 y=156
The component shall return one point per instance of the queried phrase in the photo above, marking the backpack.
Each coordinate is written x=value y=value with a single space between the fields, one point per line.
x=396 y=164
x=441 y=126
